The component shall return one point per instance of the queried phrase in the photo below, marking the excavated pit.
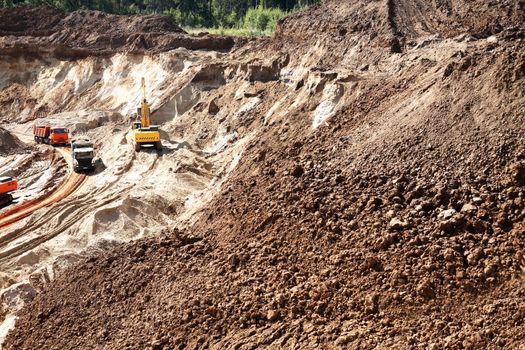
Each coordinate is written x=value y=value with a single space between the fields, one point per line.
x=131 y=195
x=356 y=181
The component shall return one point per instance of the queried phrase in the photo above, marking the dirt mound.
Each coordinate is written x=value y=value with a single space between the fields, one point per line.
x=10 y=144
x=352 y=32
x=48 y=21
x=380 y=205
x=32 y=30
x=449 y=18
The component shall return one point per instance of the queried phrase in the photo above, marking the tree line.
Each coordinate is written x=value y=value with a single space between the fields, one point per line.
x=257 y=14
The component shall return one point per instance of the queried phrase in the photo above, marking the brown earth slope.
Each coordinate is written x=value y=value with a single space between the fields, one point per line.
x=29 y=31
x=396 y=222
x=10 y=144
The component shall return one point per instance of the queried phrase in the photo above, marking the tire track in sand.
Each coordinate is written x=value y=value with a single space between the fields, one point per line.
x=70 y=185
x=69 y=215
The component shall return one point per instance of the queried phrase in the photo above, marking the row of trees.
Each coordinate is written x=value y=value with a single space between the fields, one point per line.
x=191 y=13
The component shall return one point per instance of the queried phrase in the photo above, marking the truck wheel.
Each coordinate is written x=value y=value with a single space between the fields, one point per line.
x=5 y=199
x=137 y=147
x=158 y=145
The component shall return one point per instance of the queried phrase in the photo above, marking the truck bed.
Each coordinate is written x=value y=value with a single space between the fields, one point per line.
x=8 y=184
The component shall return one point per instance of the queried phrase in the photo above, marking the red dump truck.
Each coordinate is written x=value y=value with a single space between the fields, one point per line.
x=7 y=185
x=52 y=135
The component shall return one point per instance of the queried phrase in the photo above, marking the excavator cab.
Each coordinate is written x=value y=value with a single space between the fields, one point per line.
x=145 y=134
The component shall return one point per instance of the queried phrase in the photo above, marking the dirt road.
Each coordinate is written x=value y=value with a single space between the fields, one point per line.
x=19 y=211
x=69 y=185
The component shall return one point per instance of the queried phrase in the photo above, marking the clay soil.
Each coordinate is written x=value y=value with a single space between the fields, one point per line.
x=381 y=204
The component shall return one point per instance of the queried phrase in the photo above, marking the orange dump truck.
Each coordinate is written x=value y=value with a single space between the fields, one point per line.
x=52 y=135
x=7 y=185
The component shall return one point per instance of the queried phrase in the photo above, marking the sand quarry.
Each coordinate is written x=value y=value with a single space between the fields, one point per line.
x=355 y=181
x=130 y=195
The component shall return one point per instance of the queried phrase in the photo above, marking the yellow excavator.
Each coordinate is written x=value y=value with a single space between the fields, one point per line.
x=145 y=134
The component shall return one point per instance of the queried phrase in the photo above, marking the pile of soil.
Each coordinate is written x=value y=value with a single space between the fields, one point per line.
x=10 y=144
x=366 y=27
x=48 y=21
x=26 y=30
x=449 y=18
x=398 y=223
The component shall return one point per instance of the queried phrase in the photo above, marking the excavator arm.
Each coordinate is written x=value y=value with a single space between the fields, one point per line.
x=144 y=109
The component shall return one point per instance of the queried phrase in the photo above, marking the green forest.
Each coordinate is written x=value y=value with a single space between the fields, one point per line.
x=257 y=16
